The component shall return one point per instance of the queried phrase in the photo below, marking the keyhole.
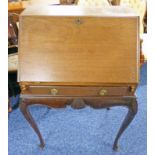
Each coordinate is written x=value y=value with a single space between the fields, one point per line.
x=78 y=21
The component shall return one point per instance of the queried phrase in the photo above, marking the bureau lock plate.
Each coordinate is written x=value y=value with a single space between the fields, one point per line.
x=78 y=21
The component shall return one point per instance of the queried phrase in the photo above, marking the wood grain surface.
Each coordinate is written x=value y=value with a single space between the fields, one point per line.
x=78 y=48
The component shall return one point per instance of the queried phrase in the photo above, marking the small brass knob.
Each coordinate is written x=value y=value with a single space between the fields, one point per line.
x=54 y=91
x=103 y=92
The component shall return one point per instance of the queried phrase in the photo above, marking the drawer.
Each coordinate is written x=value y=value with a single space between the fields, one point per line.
x=78 y=91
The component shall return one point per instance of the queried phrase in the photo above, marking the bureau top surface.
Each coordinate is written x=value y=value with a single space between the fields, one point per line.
x=115 y=11
x=80 y=50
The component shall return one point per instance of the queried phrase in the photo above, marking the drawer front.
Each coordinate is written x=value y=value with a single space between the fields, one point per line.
x=77 y=91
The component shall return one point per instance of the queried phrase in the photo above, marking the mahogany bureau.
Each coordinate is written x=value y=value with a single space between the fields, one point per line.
x=69 y=55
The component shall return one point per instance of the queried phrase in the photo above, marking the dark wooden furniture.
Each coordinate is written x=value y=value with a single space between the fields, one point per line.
x=67 y=2
x=79 y=56
x=14 y=9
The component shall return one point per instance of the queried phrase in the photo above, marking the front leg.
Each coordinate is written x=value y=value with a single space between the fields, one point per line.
x=24 y=109
x=26 y=102
x=132 y=110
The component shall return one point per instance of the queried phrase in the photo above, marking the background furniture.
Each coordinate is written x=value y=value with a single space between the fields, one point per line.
x=14 y=9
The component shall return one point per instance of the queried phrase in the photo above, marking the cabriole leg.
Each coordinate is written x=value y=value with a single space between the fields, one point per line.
x=24 y=109
x=132 y=110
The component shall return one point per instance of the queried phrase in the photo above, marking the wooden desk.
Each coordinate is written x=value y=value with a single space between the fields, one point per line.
x=79 y=56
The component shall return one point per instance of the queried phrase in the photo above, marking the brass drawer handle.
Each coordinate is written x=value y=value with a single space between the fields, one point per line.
x=103 y=92
x=54 y=91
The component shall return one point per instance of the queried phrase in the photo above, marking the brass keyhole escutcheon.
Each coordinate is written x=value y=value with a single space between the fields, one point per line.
x=54 y=91
x=103 y=92
x=78 y=21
